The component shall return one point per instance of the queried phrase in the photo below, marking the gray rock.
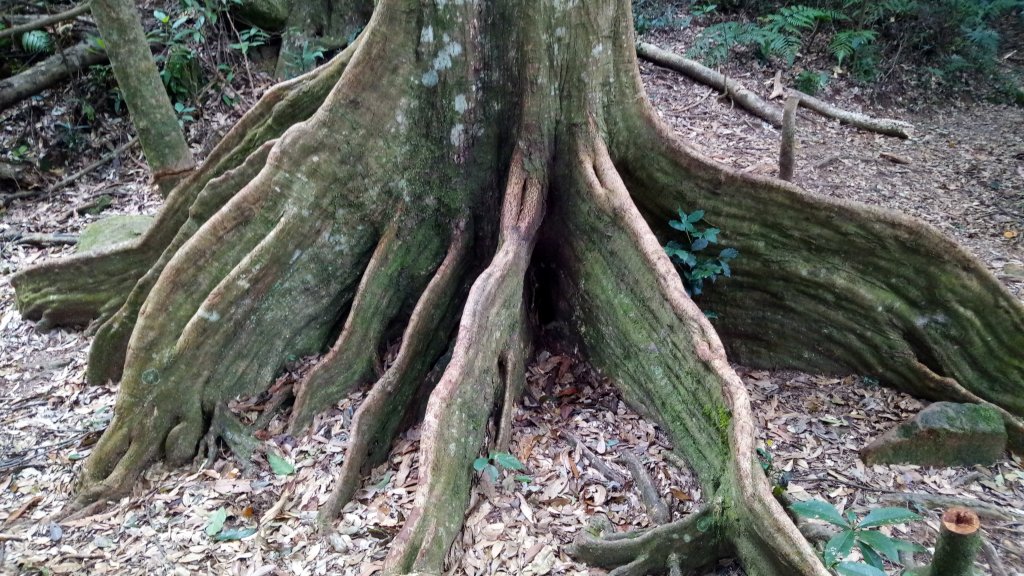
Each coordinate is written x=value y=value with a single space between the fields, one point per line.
x=113 y=230
x=943 y=434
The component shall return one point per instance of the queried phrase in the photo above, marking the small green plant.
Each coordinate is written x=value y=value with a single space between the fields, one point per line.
x=862 y=534
x=696 y=265
x=649 y=15
x=778 y=478
x=309 y=56
x=250 y=38
x=492 y=464
x=184 y=113
x=811 y=82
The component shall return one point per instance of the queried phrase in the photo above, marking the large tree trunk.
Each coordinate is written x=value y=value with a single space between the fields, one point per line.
x=405 y=188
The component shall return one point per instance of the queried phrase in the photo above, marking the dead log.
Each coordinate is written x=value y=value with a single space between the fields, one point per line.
x=698 y=72
x=760 y=107
x=56 y=239
x=48 y=72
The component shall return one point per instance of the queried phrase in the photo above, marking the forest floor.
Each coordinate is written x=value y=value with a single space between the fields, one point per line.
x=963 y=172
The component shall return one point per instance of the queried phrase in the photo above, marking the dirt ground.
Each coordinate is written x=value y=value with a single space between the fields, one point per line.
x=963 y=172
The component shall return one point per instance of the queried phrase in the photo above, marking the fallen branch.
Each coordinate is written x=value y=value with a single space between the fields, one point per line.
x=94 y=165
x=696 y=71
x=45 y=21
x=57 y=239
x=48 y=73
x=886 y=126
x=980 y=508
x=758 y=106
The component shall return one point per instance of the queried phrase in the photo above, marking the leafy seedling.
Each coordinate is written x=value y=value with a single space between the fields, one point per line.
x=690 y=256
x=863 y=534
x=492 y=464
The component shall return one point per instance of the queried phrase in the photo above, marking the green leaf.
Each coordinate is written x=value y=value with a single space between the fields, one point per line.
x=712 y=235
x=480 y=463
x=695 y=216
x=820 y=510
x=383 y=481
x=904 y=546
x=699 y=244
x=507 y=461
x=872 y=557
x=880 y=542
x=279 y=465
x=235 y=534
x=492 y=472
x=728 y=254
x=215 y=522
x=884 y=516
x=839 y=547
x=161 y=16
x=523 y=478
x=683 y=225
x=857 y=569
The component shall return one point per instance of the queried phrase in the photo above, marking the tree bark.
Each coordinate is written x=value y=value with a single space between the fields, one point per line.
x=404 y=190
x=155 y=122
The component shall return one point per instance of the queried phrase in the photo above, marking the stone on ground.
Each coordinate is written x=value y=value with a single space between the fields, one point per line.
x=943 y=434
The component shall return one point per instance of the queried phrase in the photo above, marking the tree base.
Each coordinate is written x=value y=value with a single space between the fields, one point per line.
x=351 y=209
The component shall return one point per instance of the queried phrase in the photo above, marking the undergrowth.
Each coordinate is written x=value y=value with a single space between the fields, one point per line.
x=950 y=43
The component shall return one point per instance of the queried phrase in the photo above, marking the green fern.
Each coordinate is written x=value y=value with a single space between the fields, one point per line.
x=36 y=42
x=846 y=43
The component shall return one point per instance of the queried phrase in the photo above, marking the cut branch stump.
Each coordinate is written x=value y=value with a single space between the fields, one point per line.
x=788 y=148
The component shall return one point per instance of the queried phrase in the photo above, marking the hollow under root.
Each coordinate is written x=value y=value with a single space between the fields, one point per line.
x=455 y=424
x=377 y=420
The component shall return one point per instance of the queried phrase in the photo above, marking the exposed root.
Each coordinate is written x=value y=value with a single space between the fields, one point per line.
x=656 y=507
x=79 y=289
x=107 y=353
x=455 y=424
x=670 y=364
x=685 y=545
x=596 y=461
x=400 y=266
x=377 y=420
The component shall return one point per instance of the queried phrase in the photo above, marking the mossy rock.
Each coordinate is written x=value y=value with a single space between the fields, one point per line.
x=112 y=230
x=943 y=434
x=269 y=15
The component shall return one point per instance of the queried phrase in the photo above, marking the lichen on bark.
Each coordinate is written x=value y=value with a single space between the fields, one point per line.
x=405 y=189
